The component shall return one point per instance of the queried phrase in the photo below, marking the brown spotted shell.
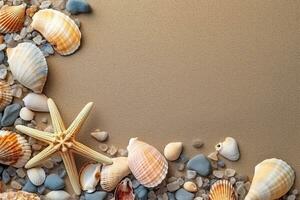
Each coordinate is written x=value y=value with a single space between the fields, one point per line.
x=124 y=190
x=19 y=195
x=12 y=18
x=5 y=94
x=222 y=190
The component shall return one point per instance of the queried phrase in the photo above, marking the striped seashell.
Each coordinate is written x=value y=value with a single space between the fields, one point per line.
x=12 y=18
x=58 y=29
x=272 y=179
x=5 y=94
x=222 y=190
x=124 y=190
x=146 y=163
x=14 y=149
x=28 y=65
x=89 y=176
x=19 y=195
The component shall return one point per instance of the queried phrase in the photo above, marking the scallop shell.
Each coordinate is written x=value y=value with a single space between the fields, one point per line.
x=124 y=190
x=272 y=179
x=222 y=190
x=111 y=175
x=58 y=29
x=12 y=18
x=14 y=149
x=36 y=175
x=229 y=149
x=58 y=195
x=146 y=163
x=5 y=94
x=89 y=177
x=28 y=65
x=19 y=195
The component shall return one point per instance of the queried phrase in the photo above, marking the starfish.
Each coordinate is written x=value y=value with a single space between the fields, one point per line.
x=63 y=141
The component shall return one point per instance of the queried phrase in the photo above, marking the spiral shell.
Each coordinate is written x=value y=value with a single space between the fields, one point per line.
x=222 y=190
x=146 y=163
x=89 y=177
x=58 y=29
x=124 y=190
x=19 y=195
x=272 y=179
x=12 y=18
x=14 y=149
x=5 y=94
x=28 y=65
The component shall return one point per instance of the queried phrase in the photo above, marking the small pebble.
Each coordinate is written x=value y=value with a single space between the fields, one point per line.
x=291 y=197
x=221 y=163
x=5 y=177
x=295 y=192
x=190 y=186
x=36 y=147
x=123 y=152
x=48 y=164
x=41 y=189
x=218 y=173
x=190 y=174
x=172 y=187
x=29 y=187
x=182 y=194
x=229 y=172
x=78 y=6
x=200 y=164
x=3 y=72
x=199 y=181
x=26 y=114
x=45 y=4
x=141 y=192
x=54 y=182
x=103 y=147
x=3 y=46
x=11 y=113
x=197 y=143
x=112 y=150
x=100 y=195
x=101 y=136
x=15 y=185
x=135 y=183
x=11 y=171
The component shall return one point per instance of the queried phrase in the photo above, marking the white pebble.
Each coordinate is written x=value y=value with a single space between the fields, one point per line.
x=101 y=136
x=26 y=114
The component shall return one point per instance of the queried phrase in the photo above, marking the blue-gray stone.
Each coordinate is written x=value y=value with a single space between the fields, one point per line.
x=29 y=187
x=182 y=194
x=1 y=169
x=54 y=182
x=62 y=172
x=171 y=196
x=200 y=164
x=11 y=113
x=95 y=196
x=78 y=6
x=11 y=171
x=141 y=193
x=41 y=189
x=5 y=176
x=1 y=57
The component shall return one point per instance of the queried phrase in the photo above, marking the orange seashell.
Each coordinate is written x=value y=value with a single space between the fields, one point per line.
x=222 y=190
x=14 y=149
x=58 y=29
x=12 y=18
x=124 y=190
x=146 y=163
x=5 y=94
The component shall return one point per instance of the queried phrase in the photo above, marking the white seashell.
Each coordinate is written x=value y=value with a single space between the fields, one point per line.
x=173 y=150
x=229 y=149
x=111 y=175
x=36 y=102
x=5 y=94
x=222 y=190
x=89 y=177
x=26 y=114
x=146 y=163
x=58 y=195
x=28 y=65
x=36 y=175
x=272 y=179
x=101 y=136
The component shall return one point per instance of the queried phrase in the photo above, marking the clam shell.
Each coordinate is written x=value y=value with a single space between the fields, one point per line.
x=36 y=175
x=272 y=179
x=89 y=177
x=19 y=195
x=58 y=29
x=222 y=190
x=28 y=65
x=124 y=190
x=12 y=18
x=58 y=195
x=5 y=94
x=229 y=149
x=36 y=102
x=146 y=163
x=111 y=175
x=173 y=150
x=14 y=149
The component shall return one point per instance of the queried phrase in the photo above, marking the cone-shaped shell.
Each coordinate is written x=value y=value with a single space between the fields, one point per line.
x=14 y=149
x=12 y=18
x=272 y=179
x=222 y=190
x=58 y=29
x=5 y=94
x=124 y=190
x=146 y=163
x=111 y=175
x=89 y=176
x=28 y=65
x=19 y=195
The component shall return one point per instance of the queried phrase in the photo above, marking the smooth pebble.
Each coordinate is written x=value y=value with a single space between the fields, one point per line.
x=78 y=6
x=182 y=194
x=99 y=195
x=11 y=113
x=26 y=114
x=101 y=136
x=200 y=164
x=29 y=187
x=54 y=182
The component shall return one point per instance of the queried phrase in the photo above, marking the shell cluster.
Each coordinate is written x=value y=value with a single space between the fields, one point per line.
x=12 y=18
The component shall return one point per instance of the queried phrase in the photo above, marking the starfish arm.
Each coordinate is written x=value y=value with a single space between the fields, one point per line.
x=40 y=135
x=57 y=121
x=39 y=158
x=71 y=170
x=90 y=153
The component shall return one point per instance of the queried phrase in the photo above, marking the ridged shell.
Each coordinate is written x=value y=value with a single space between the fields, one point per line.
x=222 y=190
x=36 y=175
x=5 y=95
x=12 y=18
x=272 y=179
x=28 y=65
x=229 y=149
x=89 y=177
x=19 y=195
x=124 y=190
x=58 y=195
x=14 y=149
x=111 y=175
x=146 y=163
x=58 y=29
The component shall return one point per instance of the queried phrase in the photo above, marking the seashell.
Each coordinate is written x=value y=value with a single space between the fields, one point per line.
x=101 y=136
x=190 y=186
x=111 y=175
x=36 y=175
x=229 y=149
x=36 y=102
x=26 y=114
x=222 y=190
x=58 y=195
x=58 y=29
x=89 y=177
x=28 y=65
x=272 y=179
x=5 y=94
x=19 y=195
x=173 y=150
x=124 y=190
x=146 y=163
x=14 y=149
x=12 y=18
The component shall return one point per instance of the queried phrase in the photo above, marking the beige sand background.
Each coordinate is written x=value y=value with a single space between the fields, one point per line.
x=177 y=70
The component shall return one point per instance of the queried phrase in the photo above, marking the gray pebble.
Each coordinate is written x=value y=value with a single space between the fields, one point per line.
x=112 y=150
x=41 y=189
x=15 y=185
x=62 y=173
x=291 y=197
x=21 y=172
x=151 y=195
x=172 y=187
x=45 y=4
x=11 y=171
x=1 y=169
x=29 y=187
x=5 y=177
x=182 y=194
x=197 y=143
x=103 y=147
x=135 y=183
x=3 y=71
x=11 y=113
x=190 y=174
x=2 y=57
x=295 y=192
x=54 y=182
x=78 y=6
x=218 y=173
x=171 y=196
x=199 y=181
x=200 y=164
x=180 y=166
x=95 y=196
x=229 y=172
